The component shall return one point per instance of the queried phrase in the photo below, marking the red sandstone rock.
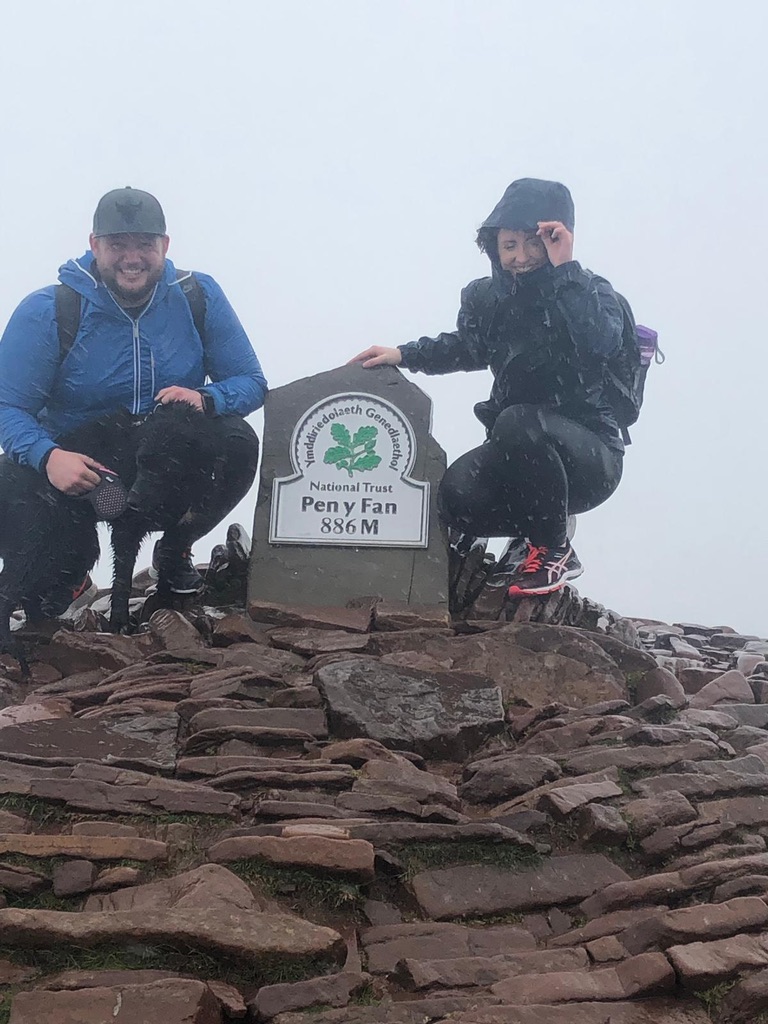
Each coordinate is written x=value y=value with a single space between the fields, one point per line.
x=349 y=857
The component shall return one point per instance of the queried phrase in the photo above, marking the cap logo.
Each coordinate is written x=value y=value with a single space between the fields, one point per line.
x=129 y=208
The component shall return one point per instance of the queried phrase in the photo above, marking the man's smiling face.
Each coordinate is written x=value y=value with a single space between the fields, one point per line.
x=130 y=265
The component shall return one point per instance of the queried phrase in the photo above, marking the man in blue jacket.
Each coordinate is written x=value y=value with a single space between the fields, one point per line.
x=136 y=344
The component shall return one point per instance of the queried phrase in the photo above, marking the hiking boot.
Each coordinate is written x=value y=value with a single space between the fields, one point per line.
x=544 y=571
x=177 y=570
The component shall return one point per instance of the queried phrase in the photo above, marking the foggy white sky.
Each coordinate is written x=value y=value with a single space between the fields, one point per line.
x=328 y=161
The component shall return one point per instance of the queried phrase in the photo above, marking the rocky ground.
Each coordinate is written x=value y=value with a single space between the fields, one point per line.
x=370 y=814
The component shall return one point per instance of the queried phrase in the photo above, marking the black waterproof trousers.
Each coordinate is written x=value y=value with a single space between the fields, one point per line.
x=70 y=521
x=536 y=468
x=239 y=456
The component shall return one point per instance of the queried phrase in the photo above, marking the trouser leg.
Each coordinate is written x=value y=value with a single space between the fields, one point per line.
x=234 y=475
x=535 y=469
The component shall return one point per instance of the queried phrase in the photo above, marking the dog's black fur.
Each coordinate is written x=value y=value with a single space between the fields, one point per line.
x=48 y=542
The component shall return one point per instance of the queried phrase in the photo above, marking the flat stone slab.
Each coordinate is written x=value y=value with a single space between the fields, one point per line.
x=640 y=756
x=639 y=976
x=608 y=925
x=706 y=921
x=466 y=972
x=507 y=775
x=389 y=834
x=102 y=788
x=386 y=945
x=702 y=964
x=310 y=641
x=665 y=885
x=309 y=720
x=244 y=934
x=77 y=738
x=212 y=767
x=170 y=1000
x=329 y=990
x=337 y=856
x=645 y=1011
x=434 y=714
x=700 y=787
x=479 y=889
x=209 y=887
x=89 y=847
x=564 y=801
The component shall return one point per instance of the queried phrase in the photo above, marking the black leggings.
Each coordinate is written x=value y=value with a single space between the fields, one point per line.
x=536 y=468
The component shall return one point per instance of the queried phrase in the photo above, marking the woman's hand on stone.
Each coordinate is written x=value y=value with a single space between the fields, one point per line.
x=378 y=355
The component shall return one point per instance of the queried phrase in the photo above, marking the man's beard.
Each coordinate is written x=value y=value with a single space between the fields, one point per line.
x=128 y=297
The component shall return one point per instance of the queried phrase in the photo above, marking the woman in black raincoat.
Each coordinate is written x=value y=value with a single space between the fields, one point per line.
x=546 y=328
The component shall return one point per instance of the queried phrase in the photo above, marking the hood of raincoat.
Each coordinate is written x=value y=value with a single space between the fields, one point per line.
x=524 y=203
x=530 y=200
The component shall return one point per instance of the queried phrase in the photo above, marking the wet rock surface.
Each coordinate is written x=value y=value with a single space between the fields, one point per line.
x=550 y=815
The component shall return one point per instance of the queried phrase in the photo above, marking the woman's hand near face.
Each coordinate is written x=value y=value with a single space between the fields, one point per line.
x=378 y=355
x=558 y=241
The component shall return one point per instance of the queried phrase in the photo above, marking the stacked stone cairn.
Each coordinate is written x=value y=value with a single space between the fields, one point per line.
x=374 y=814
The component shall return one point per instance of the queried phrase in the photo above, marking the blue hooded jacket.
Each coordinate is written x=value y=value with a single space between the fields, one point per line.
x=116 y=362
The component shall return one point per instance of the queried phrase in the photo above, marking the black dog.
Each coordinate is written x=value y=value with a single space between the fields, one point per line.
x=49 y=541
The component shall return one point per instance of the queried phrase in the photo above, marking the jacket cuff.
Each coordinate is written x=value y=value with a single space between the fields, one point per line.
x=567 y=273
x=408 y=351
x=39 y=453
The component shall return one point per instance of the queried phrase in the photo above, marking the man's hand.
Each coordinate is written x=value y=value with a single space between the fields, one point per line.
x=178 y=394
x=378 y=355
x=72 y=473
x=558 y=241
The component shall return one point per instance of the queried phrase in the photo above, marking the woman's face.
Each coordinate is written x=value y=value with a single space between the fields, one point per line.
x=520 y=252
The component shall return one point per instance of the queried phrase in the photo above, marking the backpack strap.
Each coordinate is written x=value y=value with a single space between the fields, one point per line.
x=195 y=296
x=67 y=302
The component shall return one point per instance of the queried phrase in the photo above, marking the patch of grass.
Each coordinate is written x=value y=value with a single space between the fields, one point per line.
x=512 y=917
x=417 y=857
x=5 y=1008
x=269 y=970
x=44 y=900
x=713 y=997
x=629 y=775
x=300 y=888
x=41 y=812
x=562 y=833
x=662 y=715
x=366 y=996
x=632 y=679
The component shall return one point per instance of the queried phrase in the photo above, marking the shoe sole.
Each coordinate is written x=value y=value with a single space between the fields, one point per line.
x=515 y=591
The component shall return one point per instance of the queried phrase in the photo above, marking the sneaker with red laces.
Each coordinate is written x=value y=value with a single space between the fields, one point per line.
x=544 y=571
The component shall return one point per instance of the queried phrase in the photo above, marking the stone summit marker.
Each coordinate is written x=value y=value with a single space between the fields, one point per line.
x=346 y=504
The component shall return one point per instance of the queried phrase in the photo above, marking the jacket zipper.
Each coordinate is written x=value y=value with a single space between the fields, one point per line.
x=136 y=365
x=136 y=341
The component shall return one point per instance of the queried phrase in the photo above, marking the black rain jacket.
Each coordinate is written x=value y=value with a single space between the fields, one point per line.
x=546 y=336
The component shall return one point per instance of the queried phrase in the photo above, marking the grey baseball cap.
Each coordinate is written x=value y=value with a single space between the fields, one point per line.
x=128 y=211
